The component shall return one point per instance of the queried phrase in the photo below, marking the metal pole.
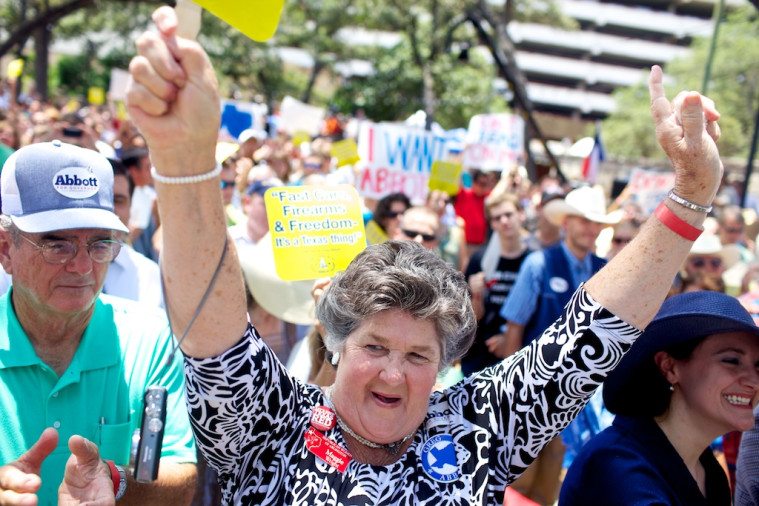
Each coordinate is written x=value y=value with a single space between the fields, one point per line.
x=718 y=8
x=751 y=155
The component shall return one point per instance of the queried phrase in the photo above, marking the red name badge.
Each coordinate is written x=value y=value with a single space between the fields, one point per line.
x=323 y=418
x=327 y=450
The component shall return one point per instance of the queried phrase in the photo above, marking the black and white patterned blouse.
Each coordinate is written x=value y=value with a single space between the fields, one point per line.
x=250 y=416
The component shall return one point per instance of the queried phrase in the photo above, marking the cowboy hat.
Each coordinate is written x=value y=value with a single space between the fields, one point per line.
x=587 y=201
x=290 y=301
x=690 y=317
x=709 y=244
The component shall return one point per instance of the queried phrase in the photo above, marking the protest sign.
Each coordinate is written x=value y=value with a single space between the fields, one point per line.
x=494 y=141
x=446 y=177
x=258 y=19
x=316 y=230
x=237 y=116
x=15 y=68
x=295 y=116
x=96 y=95
x=397 y=158
x=345 y=151
x=649 y=187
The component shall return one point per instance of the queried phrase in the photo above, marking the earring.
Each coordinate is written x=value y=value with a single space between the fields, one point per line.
x=335 y=358
x=672 y=388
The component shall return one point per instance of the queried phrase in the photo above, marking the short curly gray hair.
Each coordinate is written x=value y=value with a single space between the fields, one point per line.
x=400 y=275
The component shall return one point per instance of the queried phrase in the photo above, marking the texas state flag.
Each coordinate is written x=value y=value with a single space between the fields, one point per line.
x=591 y=164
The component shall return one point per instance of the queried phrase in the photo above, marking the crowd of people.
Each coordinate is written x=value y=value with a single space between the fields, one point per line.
x=516 y=341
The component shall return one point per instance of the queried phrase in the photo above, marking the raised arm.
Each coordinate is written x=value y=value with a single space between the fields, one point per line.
x=634 y=284
x=173 y=100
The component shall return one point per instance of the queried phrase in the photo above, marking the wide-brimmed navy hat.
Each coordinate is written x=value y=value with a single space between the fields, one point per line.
x=683 y=318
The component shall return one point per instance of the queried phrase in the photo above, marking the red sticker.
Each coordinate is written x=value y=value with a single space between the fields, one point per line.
x=323 y=418
x=327 y=450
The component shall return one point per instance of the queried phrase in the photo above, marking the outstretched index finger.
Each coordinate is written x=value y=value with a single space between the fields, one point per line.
x=661 y=109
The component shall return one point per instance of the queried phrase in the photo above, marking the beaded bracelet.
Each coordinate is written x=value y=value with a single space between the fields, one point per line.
x=676 y=224
x=197 y=178
x=687 y=203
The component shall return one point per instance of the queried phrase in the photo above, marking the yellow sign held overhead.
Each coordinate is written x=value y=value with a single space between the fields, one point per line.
x=96 y=95
x=346 y=152
x=258 y=19
x=445 y=176
x=300 y=137
x=15 y=68
x=316 y=231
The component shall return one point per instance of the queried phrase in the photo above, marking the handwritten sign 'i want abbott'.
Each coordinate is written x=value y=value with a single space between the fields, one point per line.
x=316 y=230
x=397 y=159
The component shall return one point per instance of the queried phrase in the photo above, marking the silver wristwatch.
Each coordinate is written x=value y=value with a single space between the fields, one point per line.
x=122 y=482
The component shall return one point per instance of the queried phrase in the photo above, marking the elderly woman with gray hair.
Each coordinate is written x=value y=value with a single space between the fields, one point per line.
x=394 y=318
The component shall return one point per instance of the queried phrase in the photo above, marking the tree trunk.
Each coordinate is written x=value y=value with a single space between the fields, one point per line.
x=428 y=95
x=42 y=57
x=315 y=70
x=49 y=17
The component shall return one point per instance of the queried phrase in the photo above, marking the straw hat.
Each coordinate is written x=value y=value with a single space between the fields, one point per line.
x=588 y=202
x=289 y=301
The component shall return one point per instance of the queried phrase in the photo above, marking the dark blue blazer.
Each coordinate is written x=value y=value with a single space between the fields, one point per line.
x=633 y=463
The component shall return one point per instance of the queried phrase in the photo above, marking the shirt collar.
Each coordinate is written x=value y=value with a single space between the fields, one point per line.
x=99 y=346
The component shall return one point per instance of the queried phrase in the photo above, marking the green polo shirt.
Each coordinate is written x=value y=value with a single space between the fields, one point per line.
x=124 y=350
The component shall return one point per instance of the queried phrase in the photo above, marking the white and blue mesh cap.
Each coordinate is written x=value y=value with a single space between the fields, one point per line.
x=57 y=186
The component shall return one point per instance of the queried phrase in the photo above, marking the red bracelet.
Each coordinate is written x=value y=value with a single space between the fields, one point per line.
x=115 y=477
x=675 y=224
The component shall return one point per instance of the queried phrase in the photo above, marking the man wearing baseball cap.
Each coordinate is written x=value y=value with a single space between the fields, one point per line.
x=74 y=364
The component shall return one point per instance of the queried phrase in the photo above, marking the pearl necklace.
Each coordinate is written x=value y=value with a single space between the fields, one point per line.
x=393 y=448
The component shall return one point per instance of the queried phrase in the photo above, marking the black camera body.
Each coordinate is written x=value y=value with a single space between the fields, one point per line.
x=146 y=444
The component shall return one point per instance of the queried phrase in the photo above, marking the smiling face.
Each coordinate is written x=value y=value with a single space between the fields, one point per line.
x=385 y=376
x=718 y=386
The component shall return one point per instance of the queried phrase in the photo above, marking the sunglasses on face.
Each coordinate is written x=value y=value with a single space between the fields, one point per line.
x=621 y=240
x=498 y=217
x=413 y=234
x=226 y=184
x=393 y=214
x=700 y=263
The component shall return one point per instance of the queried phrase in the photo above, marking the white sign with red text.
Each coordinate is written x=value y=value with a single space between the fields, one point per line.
x=494 y=142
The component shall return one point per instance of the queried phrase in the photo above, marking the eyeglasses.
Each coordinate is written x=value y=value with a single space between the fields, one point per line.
x=226 y=184
x=507 y=215
x=413 y=234
x=700 y=263
x=60 y=251
x=312 y=165
x=621 y=240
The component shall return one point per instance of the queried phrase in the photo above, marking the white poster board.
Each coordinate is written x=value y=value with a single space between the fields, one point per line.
x=494 y=142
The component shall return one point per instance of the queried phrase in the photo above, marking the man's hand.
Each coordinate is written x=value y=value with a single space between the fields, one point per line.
x=87 y=479
x=173 y=98
x=20 y=480
x=687 y=130
x=498 y=346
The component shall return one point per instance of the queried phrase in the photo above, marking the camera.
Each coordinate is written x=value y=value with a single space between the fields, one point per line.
x=147 y=440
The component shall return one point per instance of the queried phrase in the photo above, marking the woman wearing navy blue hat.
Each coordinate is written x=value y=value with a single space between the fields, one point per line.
x=692 y=376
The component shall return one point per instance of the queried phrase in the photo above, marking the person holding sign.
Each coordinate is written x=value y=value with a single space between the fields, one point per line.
x=393 y=320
